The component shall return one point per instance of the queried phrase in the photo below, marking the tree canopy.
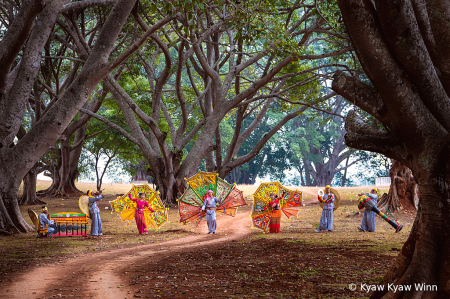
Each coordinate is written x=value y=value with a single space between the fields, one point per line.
x=181 y=84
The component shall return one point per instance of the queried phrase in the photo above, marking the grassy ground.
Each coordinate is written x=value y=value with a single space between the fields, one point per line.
x=21 y=251
x=296 y=262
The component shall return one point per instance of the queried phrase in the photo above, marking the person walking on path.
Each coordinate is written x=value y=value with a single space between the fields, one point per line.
x=141 y=203
x=210 y=207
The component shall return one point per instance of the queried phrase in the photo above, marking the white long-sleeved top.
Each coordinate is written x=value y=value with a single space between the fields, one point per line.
x=93 y=208
x=43 y=220
x=328 y=206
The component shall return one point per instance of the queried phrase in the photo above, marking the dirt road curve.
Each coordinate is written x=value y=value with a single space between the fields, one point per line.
x=97 y=275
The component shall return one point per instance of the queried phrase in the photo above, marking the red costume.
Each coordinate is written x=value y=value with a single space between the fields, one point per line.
x=139 y=214
x=275 y=218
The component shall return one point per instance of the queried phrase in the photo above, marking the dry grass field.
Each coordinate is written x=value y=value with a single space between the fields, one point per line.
x=343 y=256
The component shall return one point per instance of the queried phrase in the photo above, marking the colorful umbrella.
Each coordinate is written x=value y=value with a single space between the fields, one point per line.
x=191 y=202
x=288 y=199
x=126 y=207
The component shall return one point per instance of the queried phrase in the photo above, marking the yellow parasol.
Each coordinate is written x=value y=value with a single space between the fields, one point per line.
x=126 y=207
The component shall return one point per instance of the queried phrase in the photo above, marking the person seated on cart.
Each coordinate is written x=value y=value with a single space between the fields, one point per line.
x=44 y=221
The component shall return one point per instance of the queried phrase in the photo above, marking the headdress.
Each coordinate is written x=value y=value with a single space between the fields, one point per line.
x=44 y=208
x=327 y=186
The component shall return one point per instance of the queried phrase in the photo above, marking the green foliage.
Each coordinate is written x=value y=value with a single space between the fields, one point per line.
x=273 y=28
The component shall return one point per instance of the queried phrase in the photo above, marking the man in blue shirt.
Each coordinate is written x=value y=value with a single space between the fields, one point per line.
x=43 y=220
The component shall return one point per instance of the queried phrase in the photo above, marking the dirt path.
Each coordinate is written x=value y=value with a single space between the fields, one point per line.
x=97 y=275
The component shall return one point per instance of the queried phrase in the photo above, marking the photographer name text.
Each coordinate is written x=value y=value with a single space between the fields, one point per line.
x=393 y=287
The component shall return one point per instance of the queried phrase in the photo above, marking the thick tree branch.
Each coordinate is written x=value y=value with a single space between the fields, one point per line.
x=438 y=12
x=16 y=36
x=132 y=48
x=85 y=4
x=180 y=95
x=348 y=165
x=112 y=125
x=412 y=54
x=385 y=73
x=362 y=95
x=192 y=133
x=362 y=136
x=11 y=109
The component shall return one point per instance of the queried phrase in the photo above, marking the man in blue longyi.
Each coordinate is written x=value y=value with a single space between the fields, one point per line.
x=210 y=206
x=368 y=221
x=96 y=226
x=326 y=219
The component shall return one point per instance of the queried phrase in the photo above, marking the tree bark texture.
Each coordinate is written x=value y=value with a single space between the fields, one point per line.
x=29 y=196
x=403 y=191
x=400 y=46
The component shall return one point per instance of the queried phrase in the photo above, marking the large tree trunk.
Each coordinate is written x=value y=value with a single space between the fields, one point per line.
x=210 y=162
x=307 y=173
x=403 y=48
x=65 y=173
x=403 y=191
x=29 y=196
x=68 y=172
x=169 y=191
x=75 y=155
x=141 y=172
x=419 y=262
x=11 y=219
x=344 y=177
x=53 y=173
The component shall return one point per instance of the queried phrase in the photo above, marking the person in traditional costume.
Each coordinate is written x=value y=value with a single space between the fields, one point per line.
x=368 y=221
x=44 y=220
x=96 y=225
x=141 y=203
x=210 y=207
x=275 y=217
x=326 y=220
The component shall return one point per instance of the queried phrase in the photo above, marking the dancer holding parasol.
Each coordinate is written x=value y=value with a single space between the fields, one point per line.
x=269 y=201
x=141 y=203
x=206 y=195
x=275 y=217
x=144 y=205
x=210 y=207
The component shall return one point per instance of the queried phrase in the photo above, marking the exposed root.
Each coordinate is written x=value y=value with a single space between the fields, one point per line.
x=5 y=233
